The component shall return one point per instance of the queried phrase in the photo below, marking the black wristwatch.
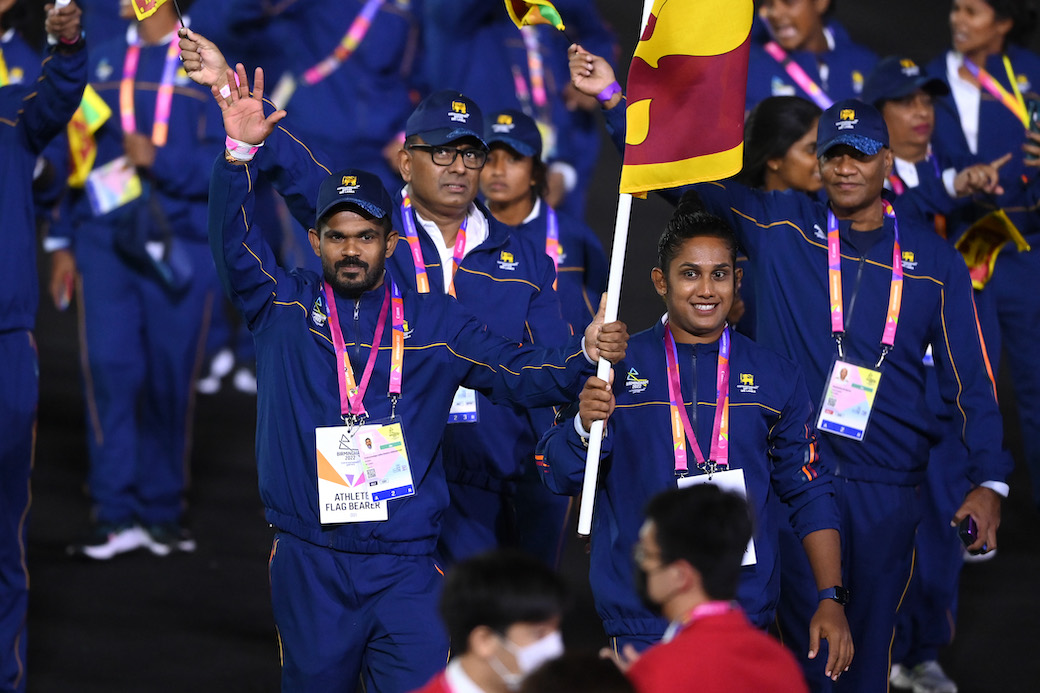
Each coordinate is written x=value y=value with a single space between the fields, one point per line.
x=837 y=593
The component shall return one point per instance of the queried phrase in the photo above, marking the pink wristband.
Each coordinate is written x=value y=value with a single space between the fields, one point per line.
x=608 y=93
x=241 y=151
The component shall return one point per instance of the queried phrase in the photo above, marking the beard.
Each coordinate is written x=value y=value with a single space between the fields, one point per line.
x=368 y=279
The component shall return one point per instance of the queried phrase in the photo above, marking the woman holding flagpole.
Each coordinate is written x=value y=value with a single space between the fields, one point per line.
x=686 y=382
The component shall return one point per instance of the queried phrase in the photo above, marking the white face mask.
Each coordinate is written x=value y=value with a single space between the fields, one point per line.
x=528 y=658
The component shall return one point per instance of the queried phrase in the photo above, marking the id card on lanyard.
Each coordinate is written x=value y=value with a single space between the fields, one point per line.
x=848 y=398
x=360 y=467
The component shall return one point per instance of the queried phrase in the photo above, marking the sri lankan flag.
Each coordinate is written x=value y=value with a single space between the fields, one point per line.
x=91 y=114
x=686 y=94
x=146 y=8
x=526 y=12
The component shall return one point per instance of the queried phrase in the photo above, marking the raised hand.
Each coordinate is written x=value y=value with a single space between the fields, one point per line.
x=243 y=112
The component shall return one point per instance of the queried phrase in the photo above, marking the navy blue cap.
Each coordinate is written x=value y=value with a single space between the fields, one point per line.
x=445 y=116
x=353 y=186
x=515 y=129
x=894 y=78
x=854 y=123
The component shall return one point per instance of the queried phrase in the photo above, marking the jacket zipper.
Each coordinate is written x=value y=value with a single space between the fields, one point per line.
x=357 y=328
x=855 y=292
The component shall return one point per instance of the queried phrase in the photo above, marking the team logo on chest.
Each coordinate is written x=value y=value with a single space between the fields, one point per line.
x=319 y=313
x=506 y=261
x=909 y=263
x=746 y=384
x=634 y=383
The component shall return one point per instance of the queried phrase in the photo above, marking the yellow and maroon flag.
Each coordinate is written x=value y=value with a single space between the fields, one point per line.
x=686 y=95
x=527 y=12
x=91 y=115
x=146 y=8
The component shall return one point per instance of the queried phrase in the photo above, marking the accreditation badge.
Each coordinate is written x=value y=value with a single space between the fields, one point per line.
x=728 y=480
x=359 y=470
x=848 y=400
x=113 y=185
x=464 y=407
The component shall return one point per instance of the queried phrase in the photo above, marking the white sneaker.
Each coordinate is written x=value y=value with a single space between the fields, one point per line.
x=106 y=541
x=929 y=677
x=219 y=366
x=245 y=381
x=899 y=677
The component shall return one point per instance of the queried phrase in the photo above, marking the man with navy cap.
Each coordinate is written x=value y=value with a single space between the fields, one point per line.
x=893 y=287
x=454 y=245
x=352 y=356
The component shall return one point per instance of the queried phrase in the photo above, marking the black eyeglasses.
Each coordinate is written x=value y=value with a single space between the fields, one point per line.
x=473 y=157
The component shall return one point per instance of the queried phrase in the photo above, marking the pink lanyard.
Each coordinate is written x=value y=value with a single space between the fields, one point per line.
x=536 y=69
x=1013 y=102
x=712 y=608
x=895 y=295
x=347 y=45
x=422 y=280
x=163 y=98
x=719 y=451
x=795 y=72
x=552 y=240
x=351 y=393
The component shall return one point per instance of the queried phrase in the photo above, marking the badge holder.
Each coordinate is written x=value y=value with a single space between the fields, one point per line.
x=360 y=468
x=731 y=480
x=848 y=399
x=464 y=407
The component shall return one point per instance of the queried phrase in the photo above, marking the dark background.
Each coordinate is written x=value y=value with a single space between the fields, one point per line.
x=202 y=622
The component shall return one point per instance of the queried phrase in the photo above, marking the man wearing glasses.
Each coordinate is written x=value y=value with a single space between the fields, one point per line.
x=454 y=245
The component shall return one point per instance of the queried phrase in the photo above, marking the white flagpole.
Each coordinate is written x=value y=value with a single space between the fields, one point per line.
x=617 y=268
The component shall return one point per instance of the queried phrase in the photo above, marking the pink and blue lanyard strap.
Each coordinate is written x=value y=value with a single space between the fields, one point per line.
x=347 y=45
x=1013 y=102
x=536 y=70
x=163 y=98
x=895 y=295
x=351 y=392
x=552 y=241
x=682 y=429
x=796 y=73
x=422 y=280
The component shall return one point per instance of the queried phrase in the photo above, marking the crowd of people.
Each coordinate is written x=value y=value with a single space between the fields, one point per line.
x=389 y=241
